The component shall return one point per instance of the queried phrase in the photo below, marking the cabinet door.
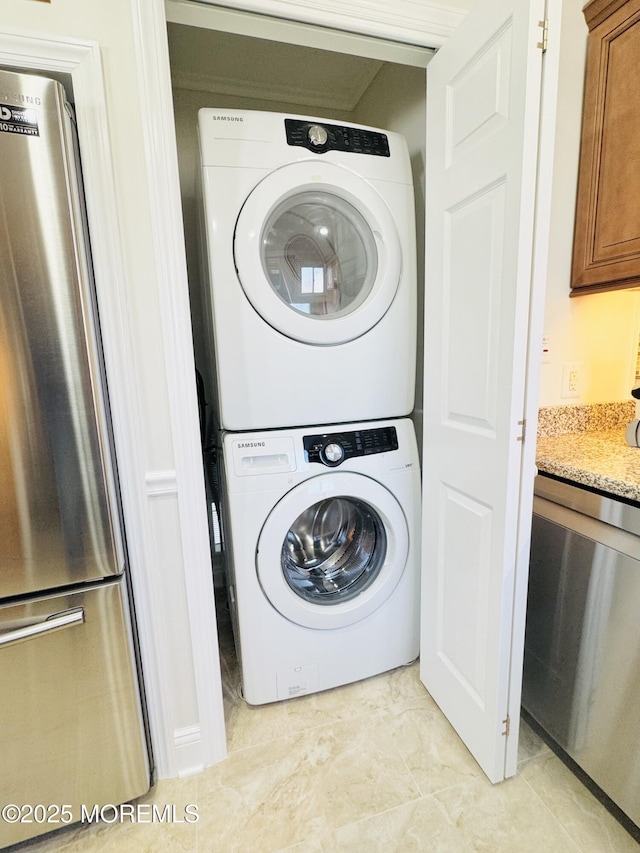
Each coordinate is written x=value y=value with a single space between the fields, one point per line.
x=606 y=252
x=483 y=100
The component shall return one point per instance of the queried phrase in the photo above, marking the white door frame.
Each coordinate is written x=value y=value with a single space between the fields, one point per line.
x=427 y=23
x=365 y=17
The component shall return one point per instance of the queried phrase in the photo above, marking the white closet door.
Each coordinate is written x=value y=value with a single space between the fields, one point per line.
x=483 y=101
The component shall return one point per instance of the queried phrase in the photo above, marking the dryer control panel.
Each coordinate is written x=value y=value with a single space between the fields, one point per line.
x=335 y=137
x=333 y=448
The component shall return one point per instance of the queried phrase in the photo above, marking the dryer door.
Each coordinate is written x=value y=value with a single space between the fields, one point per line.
x=317 y=253
x=332 y=550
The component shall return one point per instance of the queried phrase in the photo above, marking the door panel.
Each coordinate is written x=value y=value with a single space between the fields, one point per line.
x=471 y=321
x=463 y=581
x=478 y=98
x=483 y=99
x=72 y=730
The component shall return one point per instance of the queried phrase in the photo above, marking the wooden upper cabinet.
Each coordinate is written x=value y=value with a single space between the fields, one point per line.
x=606 y=251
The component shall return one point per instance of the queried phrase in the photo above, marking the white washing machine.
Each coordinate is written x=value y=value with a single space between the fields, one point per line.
x=311 y=257
x=322 y=528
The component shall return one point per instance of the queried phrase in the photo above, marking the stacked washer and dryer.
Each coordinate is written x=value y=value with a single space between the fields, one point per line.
x=310 y=317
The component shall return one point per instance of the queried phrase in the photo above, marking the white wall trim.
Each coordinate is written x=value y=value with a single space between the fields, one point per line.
x=44 y=53
x=161 y=484
x=419 y=22
x=81 y=59
x=186 y=736
x=201 y=14
x=163 y=186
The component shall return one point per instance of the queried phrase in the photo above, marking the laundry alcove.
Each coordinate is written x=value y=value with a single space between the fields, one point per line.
x=483 y=108
x=232 y=60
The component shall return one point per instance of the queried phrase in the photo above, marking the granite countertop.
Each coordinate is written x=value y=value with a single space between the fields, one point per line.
x=586 y=445
x=601 y=459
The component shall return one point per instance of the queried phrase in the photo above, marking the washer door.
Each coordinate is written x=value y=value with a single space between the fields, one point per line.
x=332 y=550
x=317 y=253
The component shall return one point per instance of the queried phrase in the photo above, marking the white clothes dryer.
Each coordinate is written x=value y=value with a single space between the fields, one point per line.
x=310 y=241
x=321 y=535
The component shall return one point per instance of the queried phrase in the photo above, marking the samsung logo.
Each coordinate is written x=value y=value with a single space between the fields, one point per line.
x=22 y=99
x=227 y=118
x=252 y=444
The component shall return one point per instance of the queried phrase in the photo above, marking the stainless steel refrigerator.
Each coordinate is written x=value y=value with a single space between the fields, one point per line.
x=71 y=714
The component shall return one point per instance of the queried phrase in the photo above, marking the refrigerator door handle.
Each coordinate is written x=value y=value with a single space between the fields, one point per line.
x=55 y=622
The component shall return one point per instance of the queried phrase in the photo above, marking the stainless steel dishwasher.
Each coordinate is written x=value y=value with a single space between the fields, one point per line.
x=582 y=645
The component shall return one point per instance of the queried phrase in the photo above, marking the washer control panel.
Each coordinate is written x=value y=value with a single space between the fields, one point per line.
x=333 y=448
x=335 y=137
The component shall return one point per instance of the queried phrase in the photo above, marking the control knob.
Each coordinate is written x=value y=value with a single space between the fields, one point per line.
x=332 y=453
x=317 y=135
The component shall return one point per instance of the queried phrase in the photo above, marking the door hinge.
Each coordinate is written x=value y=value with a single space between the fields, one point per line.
x=522 y=424
x=545 y=34
x=507 y=725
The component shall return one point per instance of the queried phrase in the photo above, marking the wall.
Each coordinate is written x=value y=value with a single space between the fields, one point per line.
x=599 y=332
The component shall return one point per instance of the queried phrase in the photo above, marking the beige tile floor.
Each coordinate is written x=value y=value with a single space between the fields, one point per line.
x=372 y=766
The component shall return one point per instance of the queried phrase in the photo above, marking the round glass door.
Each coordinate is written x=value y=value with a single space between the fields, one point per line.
x=334 y=550
x=319 y=254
